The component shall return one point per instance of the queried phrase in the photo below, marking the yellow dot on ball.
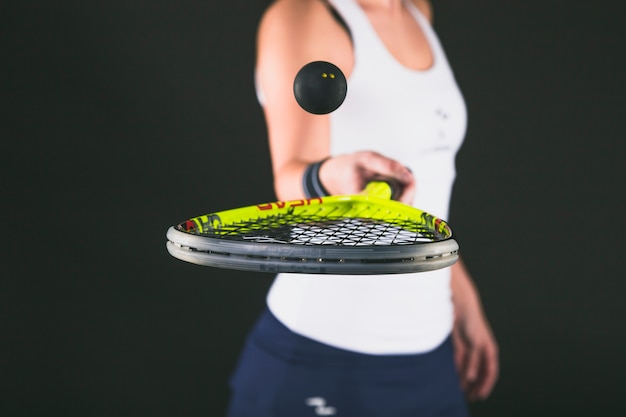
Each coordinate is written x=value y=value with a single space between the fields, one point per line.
x=324 y=75
x=332 y=75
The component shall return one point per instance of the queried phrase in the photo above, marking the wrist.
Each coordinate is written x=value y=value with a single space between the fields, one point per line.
x=311 y=183
x=465 y=297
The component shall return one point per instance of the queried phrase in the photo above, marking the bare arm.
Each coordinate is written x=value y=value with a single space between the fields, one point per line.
x=293 y=33
x=476 y=349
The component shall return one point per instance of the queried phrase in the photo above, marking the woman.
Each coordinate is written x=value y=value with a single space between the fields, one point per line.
x=364 y=345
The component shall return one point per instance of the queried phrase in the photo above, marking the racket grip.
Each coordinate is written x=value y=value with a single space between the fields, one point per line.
x=386 y=188
x=396 y=188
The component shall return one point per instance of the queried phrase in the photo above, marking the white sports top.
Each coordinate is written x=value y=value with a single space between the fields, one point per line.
x=418 y=118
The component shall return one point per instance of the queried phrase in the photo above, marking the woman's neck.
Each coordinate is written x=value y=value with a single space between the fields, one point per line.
x=388 y=6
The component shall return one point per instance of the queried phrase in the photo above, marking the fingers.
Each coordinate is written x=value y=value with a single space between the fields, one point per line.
x=472 y=366
x=408 y=193
x=488 y=377
x=477 y=362
x=481 y=373
x=459 y=351
x=374 y=164
x=349 y=174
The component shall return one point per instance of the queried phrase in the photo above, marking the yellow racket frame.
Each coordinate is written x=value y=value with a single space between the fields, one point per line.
x=206 y=239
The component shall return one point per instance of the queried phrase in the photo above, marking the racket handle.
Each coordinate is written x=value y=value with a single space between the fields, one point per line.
x=385 y=188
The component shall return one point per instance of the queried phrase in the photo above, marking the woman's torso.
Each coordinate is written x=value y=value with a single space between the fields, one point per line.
x=417 y=117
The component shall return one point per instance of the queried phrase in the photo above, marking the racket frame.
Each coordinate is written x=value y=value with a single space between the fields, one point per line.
x=186 y=244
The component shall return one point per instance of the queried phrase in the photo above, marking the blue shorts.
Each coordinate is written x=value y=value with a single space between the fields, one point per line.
x=282 y=374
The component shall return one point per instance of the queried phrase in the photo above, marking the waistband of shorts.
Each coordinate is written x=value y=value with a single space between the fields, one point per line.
x=273 y=337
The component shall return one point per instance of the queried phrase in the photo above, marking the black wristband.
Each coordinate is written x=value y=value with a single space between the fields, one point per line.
x=311 y=183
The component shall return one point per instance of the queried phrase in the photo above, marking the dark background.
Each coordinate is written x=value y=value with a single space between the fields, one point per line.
x=121 y=118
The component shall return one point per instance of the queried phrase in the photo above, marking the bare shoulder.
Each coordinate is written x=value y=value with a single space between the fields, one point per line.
x=291 y=17
x=300 y=31
x=426 y=7
x=286 y=9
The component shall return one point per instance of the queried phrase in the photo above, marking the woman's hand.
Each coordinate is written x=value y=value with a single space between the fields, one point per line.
x=476 y=349
x=476 y=356
x=349 y=174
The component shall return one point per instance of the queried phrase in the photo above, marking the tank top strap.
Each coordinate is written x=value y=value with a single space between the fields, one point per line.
x=367 y=45
x=433 y=40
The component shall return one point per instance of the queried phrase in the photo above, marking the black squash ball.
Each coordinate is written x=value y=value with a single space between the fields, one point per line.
x=320 y=87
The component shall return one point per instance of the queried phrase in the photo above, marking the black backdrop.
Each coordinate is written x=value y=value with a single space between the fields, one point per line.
x=120 y=118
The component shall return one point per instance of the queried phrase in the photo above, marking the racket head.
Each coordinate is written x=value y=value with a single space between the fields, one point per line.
x=362 y=234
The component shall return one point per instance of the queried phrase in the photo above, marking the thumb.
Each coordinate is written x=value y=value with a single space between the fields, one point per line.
x=472 y=365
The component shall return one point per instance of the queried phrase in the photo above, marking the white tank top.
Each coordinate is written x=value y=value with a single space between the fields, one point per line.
x=418 y=118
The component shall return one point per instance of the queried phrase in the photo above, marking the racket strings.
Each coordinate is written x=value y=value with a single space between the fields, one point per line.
x=354 y=232
x=327 y=227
